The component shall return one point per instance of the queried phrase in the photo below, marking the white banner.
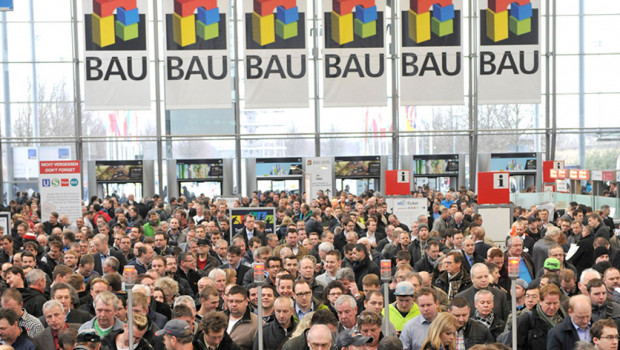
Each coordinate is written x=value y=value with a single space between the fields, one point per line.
x=509 y=62
x=116 y=57
x=407 y=209
x=197 y=72
x=432 y=53
x=355 y=73
x=61 y=188
x=276 y=54
x=319 y=174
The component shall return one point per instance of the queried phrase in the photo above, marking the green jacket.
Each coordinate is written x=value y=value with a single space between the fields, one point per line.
x=149 y=231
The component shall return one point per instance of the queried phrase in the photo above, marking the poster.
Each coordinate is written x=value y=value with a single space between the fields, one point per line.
x=197 y=70
x=266 y=215
x=509 y=58
x=276 y=54
x=116 y=58
x=319 y=175
x=406 y=209
x=431 y=47
x=61 y=189
x=355 y=72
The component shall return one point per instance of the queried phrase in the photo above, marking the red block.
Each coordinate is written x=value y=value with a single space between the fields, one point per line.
x=502 y=5
x=186 y=8
x=343 y=7
x=105 y=8
x=397 y=183
x=489 y=192
x=266 y=7
x=423 y=6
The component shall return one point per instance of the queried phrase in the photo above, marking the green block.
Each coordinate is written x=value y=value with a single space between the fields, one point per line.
x=520 y=27
x=207 y=32
x=126 y=32
x=365 y=30
x=442 y=28
x=286 y=31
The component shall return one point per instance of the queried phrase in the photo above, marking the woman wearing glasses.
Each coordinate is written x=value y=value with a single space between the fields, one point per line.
x=442 y=333
x=333 y=290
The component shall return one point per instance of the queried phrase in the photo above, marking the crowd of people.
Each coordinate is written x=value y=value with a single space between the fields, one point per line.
x=62 y=285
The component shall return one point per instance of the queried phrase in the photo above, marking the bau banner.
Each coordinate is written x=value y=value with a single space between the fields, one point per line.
x=432 y=52
x=509 y=62
x=276 y=54
x=116 y=57
x=237 y=218
x=354 y=74
x=197 y=54
x=60 y=188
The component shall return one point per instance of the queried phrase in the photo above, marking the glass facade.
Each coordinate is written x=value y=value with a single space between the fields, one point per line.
x=42 y=103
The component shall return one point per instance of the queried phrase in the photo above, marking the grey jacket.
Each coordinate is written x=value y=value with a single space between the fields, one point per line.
x=118 y=324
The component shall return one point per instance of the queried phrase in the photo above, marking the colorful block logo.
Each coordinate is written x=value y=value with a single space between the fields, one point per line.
x=106 y=27
x=344 y=26
x=500 y=21
x=192 y=18
x=285 y=26
x=422 y=22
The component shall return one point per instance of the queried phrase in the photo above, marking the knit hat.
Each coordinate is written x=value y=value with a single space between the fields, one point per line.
x=421 y=225
x=522 y=283
x=601 y=250
x=30 y=236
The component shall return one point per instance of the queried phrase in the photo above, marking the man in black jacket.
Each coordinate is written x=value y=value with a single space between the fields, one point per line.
x=574 y=328
x=533 y=326
x=584 y=257
x=363 y=265
x=278 y=332
x=454 y=279
x=469 y=332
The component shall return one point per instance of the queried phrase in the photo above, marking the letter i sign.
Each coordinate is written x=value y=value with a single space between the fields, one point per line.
x=500 y=181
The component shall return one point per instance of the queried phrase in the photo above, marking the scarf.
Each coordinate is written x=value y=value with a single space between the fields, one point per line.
x=486 y=321
x=557 y=318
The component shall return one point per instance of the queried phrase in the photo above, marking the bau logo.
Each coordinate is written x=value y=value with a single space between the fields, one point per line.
x=509 y=22
x=103 y=27
x=284 y=30
x=345 y=31
x=440 y=26
x=196 y=25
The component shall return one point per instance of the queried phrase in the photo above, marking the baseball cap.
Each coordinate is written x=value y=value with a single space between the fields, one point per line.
x=522 y=283
x=349 y=337
x=404 y=288
x=552 y=264
x=175 y=328
x=88 y=335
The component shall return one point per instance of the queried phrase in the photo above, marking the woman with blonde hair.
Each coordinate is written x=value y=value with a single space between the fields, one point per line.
x=442 y=333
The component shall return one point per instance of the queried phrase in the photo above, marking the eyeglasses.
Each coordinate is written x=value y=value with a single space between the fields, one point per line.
x=304 y=294
x=611 y=337
x=335 y=294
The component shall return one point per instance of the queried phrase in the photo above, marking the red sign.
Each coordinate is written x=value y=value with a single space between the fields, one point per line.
x=64 y=182
x=561 y=174
x=583 y=175
x=397 y=182
x=609 y=176
x=60 y=167
x=493 y=187
x=573 y=174
x=553 y=174
x=550 y=167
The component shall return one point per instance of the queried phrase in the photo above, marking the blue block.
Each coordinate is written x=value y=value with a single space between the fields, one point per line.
x=6 y=4
x=366 y=15
x=287 y=16
x=208 y=17
x=127 y=18
x=521 y=12
x=444 y=13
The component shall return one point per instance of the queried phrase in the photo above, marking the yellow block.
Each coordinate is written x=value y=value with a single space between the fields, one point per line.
x=184 y=29
x=419 y=26
x=103 y=30
x=342 y=28
x=497 y=25
x=263 y=29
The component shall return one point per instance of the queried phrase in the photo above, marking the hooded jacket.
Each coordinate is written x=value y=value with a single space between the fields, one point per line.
x=33 y=301
x=109 y=342
x=274 y=335
x=244 y=331
x=226 y=343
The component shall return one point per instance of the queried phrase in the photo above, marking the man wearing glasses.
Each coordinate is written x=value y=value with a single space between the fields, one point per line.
x=304 y=301
x=242 y=324
x=604 y=334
